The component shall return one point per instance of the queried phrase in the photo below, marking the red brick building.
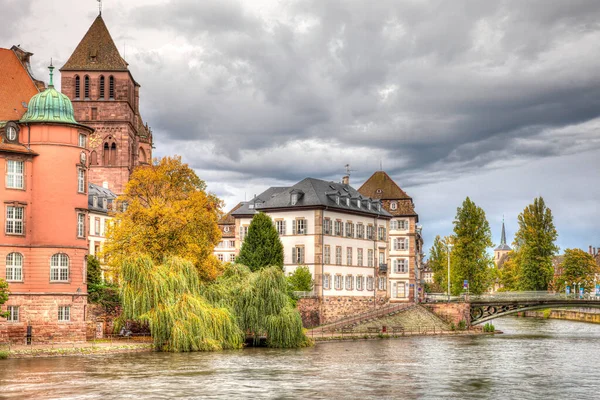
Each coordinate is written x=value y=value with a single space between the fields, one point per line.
x=105 y=96
x=43 y=156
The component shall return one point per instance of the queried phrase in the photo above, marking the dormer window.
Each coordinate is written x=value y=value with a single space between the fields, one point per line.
x=348 y=201
x=294 y=198
x=104 y=203
x=251 y=206
x=358 y=203
x=369 y=206
x=378 y=206
x=337 y=200
x=393 y=205
x=95 y=201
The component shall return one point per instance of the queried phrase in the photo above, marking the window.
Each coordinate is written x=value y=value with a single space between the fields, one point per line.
x=381 y=233
x=369 y=206
x=338 y=228
x=82 y=138
x=337 y=281
x=232 y=244
x=403 y=224
x=77 y=87
x=94 y=113
x=94 y=158
x=338 y=255
x=358 y=203
x=327 y=226
x=359 y=257
x=243 y=232
x=348 y=201
x=327 y=255
x=111 y=87
x=14 y=220
x=232 y=258
x=370 y=232
x=399 y=289
x=401 y=244
x=14 y=174
x=80 y=180
x=369 y=283
x=360 y=283
x=64 y=313
x=326 y=281
x=393 y=205
x=280 y=225
x=349 y=229
x=97 y=226
x=348 y=255
x=86 y=87
x=337 y=200
x=95 y=201
x=105 y=203
x=381 y=283
x=13 y=314
x=370 y=258
x=80 y=225
x=299 y=227
x=294 y=198
x=59 y=268
x=14 y=267
x=360 y=231
x=220 y=257
x=381 y=258
x=298 y=255
x=102 y=87
x=349 y=281
x=400 y=265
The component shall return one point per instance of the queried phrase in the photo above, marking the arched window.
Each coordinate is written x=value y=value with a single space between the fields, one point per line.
x=93 y=158
x=86 y=87
x=109 y=155
x=142 y=155
x=102 y=87
x=111 y=87
x=59 y=268
x=77 y=86
x=14 y=267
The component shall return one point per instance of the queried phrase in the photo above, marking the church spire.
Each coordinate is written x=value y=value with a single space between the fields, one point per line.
x=503 y=237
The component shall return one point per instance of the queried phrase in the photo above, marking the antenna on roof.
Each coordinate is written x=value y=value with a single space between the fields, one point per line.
x=380 y=165
x=348 y=170
x=100 y=7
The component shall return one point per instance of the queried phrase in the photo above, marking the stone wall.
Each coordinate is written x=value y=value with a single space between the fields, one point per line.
x=41 y=312
x=451 y=312
x=571 y=315
x=318 y=311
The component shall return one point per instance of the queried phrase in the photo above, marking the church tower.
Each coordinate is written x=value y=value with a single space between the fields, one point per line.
x=503 y=248
x=105 y=96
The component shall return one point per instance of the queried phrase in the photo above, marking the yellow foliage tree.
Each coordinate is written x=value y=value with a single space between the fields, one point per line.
x=166 y=212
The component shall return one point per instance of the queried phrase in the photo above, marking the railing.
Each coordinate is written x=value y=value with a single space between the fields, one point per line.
x=533 y=296
x=377 y=313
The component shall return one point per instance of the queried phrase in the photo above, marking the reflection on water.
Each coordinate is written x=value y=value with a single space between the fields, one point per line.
x=544 y=359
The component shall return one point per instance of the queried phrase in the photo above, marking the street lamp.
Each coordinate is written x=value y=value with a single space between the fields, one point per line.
x=449 y=246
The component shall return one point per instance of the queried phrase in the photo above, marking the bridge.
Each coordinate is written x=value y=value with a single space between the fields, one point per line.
x=489 y=306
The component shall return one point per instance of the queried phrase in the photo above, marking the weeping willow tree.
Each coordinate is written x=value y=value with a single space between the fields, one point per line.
x=167 y=297
x=260 y=302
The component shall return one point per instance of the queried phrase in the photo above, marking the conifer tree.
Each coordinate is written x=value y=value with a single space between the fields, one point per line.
x=262 y=246
x=3 y=294
x=534 y=242
x=469 y=258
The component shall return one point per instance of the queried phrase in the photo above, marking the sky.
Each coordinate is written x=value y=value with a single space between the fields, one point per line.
x=498 y=101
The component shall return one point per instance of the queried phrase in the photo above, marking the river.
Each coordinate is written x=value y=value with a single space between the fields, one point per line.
x=533 y=359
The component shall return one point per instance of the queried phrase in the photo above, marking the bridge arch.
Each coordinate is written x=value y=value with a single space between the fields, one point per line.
x=482 y=312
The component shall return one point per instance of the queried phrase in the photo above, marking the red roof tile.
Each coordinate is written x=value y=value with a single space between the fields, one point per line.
x=16 y=86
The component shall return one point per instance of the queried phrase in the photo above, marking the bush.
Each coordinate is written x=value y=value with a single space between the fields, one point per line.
x=462 y=325
x=301 y=280
x=488 y=327
x=546 y=313
x=106 y=295
x=4 y=354
x=452 y=326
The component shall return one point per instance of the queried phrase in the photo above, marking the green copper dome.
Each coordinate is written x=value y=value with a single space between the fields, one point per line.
x=50 y=106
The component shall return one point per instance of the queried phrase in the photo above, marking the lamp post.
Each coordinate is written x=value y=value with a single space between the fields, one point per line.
x=449 y=246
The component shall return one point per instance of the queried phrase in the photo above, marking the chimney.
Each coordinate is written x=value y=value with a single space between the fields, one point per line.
x=105 y=185
x=346 y=180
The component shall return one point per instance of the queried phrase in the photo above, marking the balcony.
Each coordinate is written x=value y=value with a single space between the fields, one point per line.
x=383 y=268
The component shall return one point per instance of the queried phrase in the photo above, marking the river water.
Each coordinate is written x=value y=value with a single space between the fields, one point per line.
x=533 y=359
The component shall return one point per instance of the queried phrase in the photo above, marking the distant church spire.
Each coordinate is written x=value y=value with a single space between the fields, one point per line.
x=503 y=238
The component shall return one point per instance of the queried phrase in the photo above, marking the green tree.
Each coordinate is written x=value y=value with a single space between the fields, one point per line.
x=168 y=213
x=577 y=266
x=94 y=271
x=469 y=258
x=301 y=280
x=509 y=273
x=534 y=242
x=262 y=247
x=438 y=262
x=4 y=292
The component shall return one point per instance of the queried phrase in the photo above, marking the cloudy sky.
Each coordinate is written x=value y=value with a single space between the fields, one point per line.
x=499 y=101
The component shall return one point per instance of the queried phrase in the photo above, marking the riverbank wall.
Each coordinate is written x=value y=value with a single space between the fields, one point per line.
x=450 y=312
x=317 y=311
x=581 y=315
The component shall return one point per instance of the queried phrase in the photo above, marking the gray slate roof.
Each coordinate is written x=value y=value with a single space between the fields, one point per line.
x=101 y=193
x=313 y=193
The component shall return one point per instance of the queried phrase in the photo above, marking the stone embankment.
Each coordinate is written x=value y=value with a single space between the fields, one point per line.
x=577 y=314
x=75 y=349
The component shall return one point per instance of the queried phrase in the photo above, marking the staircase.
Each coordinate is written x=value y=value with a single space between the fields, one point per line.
x=385 y=311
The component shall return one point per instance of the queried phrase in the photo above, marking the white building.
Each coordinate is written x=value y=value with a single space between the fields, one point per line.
x=339 y=234
x=101 y=201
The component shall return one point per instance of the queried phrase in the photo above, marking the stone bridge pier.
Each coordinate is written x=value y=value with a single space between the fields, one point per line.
x=451 y=312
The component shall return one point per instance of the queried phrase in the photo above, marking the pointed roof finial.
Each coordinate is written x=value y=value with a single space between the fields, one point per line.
x=503 y=237
x=100 y=7
x=51 y=68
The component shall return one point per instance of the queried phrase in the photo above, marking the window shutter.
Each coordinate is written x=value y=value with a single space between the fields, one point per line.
x=283 y=227
x=294 y=255
x=293 y=227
